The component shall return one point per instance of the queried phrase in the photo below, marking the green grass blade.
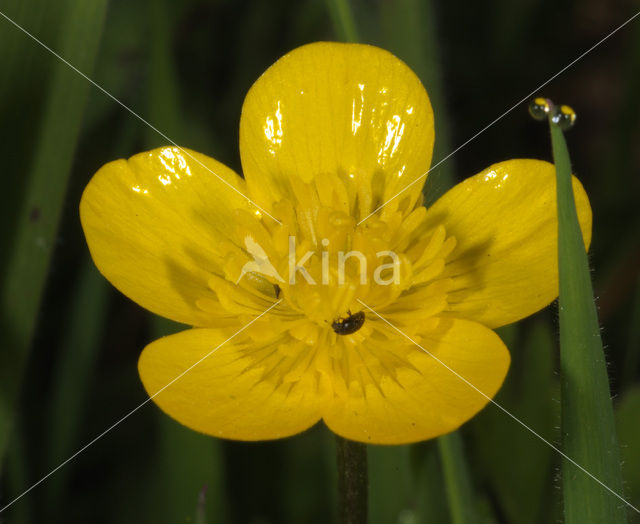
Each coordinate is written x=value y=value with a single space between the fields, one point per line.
x=191 y=485
x=191 y=464
x=163 y=91
x=627 y=410
x=17 y=478
x=409 y=30
x=588 y=429
x=431 y=499
x=512 y=464
x=390 y=483
x=456 y=477
x=23 y=85
x=72 y=377
x=343 y=21
x=201 y=514
x=310 y=477
x=52 y=160
x=632 y=357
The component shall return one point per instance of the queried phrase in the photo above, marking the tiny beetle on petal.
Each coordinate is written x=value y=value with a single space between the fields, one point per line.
x=348 y=325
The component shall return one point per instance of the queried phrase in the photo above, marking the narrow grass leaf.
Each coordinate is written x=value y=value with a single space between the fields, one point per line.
x=390 y=483
x=431 y=499
x=629 y=432
x=456 y=476
x=201 y=514
x=163 y=90
x=51 y=163
x=588 y=429
x=517 y=467
x=17 y=478
x=192 y=481
x=409 y=30
x=192 y=478
x=343 y=21
x=72 y=379
x=632 y=358
x=309 y=484
x=23 y=85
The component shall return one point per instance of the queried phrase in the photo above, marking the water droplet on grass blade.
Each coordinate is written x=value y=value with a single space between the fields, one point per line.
x=539 y=108
x=564 y=117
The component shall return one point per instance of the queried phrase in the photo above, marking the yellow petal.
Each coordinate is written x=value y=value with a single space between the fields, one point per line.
x=238 y=389
x=504 y=266
x=153 y=223
x=426 y=398
x=328 y=109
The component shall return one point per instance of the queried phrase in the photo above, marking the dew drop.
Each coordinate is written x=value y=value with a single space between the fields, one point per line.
x=564 y=117
x=539 y=108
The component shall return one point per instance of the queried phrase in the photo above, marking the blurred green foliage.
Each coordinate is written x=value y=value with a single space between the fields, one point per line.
x=185 y=67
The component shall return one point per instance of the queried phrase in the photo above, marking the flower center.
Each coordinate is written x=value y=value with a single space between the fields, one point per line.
x=327 y=270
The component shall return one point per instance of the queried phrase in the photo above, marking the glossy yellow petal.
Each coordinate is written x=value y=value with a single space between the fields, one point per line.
x=243 y=390
x=504 y=219
x=425 y=398
x=331 y=109
x=153 y=224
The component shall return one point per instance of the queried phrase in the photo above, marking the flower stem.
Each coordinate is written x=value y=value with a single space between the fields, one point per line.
x=352 y=481
x=343 y=20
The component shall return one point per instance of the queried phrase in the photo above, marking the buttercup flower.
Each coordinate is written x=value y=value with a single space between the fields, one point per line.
x=328 y=134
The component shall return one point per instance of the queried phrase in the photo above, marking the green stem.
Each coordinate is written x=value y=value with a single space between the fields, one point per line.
x=456 y=478
x=343 y=20
x=352 y=481
x=588 y=430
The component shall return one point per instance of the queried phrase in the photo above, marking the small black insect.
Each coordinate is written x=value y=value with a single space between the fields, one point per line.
x=276 y=289
x=348 y=325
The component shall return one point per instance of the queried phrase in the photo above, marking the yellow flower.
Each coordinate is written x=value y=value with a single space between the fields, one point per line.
x=328 y=134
